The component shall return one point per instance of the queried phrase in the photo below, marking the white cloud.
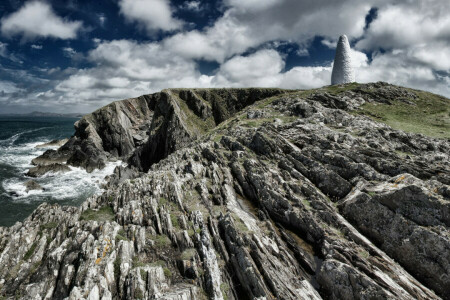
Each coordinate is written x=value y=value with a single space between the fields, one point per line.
x=192 y=5
x=252 y=5
x=37 y=47
x=258 y=69
x=124 y=68
x=407 y=24
x=8 y=87
x=37 y=19
x=153 y=15
x=241 y=27
x=69 y=52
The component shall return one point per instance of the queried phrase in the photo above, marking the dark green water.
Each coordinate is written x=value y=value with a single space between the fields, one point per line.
x=18 y=139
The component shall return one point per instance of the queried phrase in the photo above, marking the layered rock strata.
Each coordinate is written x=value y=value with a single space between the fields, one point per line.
x=292 y=197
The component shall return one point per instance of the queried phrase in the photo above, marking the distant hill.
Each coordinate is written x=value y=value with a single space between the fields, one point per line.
x=48 y=114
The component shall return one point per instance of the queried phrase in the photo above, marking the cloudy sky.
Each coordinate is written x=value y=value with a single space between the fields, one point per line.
x=77 y=55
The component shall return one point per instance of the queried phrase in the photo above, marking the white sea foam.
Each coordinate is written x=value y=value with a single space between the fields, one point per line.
x=75 y=184
x=20 y=156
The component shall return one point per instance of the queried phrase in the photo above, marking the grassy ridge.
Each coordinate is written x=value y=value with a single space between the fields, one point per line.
x=429 y=114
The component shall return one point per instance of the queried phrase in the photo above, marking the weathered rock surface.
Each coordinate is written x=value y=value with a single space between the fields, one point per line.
x=54 y=143
x=32 y=185
x=46 y=168
x=293 y=197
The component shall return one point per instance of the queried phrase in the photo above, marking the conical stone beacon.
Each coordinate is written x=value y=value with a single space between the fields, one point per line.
x=342 y=68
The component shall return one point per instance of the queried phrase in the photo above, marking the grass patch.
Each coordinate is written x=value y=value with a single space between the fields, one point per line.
x=121 y=235
x=364 y=254
x=224 y=287
x=35 y=267
x=104 y=213
x=48 y=226
x=371 y=193
x=194 y=122
x=306 y=204
x=167 y=272
x=117 y=264
x=188 y=254
x=30 y=251
x=137 y=263
x=429 y=116
x=161 y=241
x=144 y=275
x=337 y=89
x=174 y=220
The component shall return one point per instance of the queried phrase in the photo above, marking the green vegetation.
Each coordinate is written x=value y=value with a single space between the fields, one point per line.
x=158 y=263
x=121 y=235
x=167 y=272
x=117 y=264
x=104 y=213
x=194 y=122
x=224 y=287
x=364 y=254
x=35 y=267
x=306 y=204
x=138 y=294
x=137 y=263
x=144 y=275
x=49 y=226
x=174 y=220
x=188 y=254
x=163 y=201
x=337 y=89
x=428 y=114
x=239 y=223
x=161 y=241
x=30 y=251
x=371 y=193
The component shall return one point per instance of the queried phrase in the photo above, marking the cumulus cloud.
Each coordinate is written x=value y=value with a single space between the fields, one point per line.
x=153 y=15
x=406 y=24
x=37 y=19
x=37 y=47
x=250 y=23
x=258 y=69
x=243 y=41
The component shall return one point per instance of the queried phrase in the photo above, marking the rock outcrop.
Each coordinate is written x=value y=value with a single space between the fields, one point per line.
x=32 y=185
x=54 y=143
x=294 y=196
x=342 y=68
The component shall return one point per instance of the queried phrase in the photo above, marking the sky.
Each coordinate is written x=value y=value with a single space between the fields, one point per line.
x=78 y=55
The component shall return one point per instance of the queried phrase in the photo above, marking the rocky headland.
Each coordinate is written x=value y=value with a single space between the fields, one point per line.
x=248 y=194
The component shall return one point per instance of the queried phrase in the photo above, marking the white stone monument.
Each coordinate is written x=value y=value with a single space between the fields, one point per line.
x=342 y=67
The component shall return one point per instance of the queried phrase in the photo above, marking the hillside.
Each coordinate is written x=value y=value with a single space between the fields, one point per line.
x=334 y=193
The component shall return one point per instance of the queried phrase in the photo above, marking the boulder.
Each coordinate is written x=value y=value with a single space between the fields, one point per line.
x=41 y=170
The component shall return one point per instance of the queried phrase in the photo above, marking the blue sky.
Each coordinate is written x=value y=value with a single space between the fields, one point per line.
x=75 y=56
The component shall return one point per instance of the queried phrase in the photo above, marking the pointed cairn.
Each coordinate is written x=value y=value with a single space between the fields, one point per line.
x=342 y=67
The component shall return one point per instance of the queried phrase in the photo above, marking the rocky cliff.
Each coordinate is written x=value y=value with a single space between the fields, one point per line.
x=247 y=194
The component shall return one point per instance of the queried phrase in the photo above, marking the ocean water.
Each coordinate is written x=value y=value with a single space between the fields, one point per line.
x=19 y=137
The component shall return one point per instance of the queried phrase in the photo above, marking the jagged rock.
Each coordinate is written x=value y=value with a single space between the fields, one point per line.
x=307 y=200
x=44 y=169
x=342 y=67
x=32 y=185
x=53 y=143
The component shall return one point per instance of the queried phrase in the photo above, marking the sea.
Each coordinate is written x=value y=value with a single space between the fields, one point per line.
x=19 y=137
